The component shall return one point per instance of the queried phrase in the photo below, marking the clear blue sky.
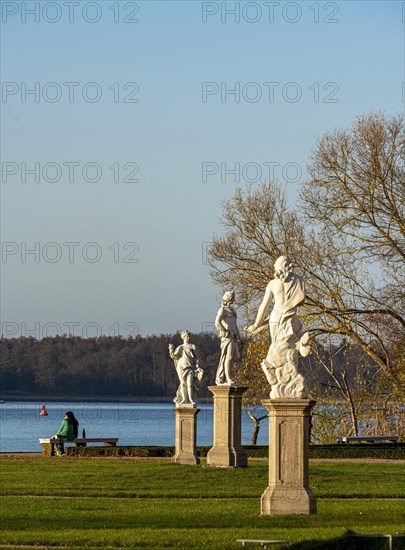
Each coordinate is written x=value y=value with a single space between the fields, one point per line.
x=301 y=67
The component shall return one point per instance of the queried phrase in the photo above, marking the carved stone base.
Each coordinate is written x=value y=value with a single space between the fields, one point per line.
x=278 y=501
x=227 y=450
x=288 y=491
x=186 y=435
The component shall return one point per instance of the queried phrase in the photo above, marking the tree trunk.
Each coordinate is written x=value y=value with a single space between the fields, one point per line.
x=353 y=413
x=256 y=426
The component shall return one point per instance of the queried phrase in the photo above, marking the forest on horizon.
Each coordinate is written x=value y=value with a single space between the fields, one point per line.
x=107 y=366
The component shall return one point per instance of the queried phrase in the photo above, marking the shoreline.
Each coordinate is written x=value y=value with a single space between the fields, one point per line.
x=4 y=398
x=92 y=399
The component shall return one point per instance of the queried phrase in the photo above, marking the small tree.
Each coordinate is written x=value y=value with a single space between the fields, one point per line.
x=347 y=386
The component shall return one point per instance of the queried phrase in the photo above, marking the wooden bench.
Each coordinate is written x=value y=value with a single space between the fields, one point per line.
x=263 y=542
x=49 y=444
x=367 y=438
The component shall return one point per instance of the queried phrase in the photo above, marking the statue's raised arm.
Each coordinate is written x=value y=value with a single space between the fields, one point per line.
x=263 y=312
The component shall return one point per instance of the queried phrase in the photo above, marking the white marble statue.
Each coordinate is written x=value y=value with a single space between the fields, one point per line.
x=287 y=289
x=226 y=324
x=189 y=373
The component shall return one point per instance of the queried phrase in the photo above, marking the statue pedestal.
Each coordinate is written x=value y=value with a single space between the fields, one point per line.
x=227 y=450
x=288 y=491
x=186 y=435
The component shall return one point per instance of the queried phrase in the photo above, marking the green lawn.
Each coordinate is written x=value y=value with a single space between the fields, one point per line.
x=155 y=504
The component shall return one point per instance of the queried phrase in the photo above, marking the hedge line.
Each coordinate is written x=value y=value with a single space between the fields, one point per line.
x=358 y=450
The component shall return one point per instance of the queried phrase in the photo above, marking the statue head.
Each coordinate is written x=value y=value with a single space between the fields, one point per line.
x=283 y=267
x=185 y=335
x=228 y=297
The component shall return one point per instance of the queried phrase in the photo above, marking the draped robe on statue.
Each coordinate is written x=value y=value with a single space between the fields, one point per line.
x=281 y=364
x=283 y=321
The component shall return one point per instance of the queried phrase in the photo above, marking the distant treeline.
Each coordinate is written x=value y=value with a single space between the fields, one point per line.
x=115 y=367
x=104 y=366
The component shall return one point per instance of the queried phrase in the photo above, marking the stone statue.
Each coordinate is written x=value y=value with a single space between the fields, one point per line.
x=287 y=289
x=189 y=373
x=227 y=327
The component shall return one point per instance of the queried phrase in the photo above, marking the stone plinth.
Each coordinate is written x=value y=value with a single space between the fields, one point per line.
x=288 y=491
x=186 y=435
x=227 y=450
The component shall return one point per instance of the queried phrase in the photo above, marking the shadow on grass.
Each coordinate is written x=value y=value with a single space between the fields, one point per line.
x=353 y=541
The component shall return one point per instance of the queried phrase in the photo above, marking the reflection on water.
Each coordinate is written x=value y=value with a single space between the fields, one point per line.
x=133 y=423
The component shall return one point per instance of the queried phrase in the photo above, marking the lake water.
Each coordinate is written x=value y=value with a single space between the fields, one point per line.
x=133 y=423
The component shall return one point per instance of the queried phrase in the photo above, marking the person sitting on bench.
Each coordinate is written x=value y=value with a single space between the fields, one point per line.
x=68 y=430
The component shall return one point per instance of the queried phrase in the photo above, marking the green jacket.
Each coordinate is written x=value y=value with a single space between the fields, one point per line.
x=66 y=430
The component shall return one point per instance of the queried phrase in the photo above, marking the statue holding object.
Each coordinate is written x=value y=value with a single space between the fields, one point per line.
x=287 y=289
x=190 y=374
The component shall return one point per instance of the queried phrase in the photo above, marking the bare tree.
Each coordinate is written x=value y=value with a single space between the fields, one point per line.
x=352 y=393
x=351 y=381
x=346 y=235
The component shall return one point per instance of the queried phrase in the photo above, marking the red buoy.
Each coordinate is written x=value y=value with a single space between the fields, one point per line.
x=43 y=412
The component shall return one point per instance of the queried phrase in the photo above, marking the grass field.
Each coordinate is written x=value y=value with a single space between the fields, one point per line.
x=115 y=503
